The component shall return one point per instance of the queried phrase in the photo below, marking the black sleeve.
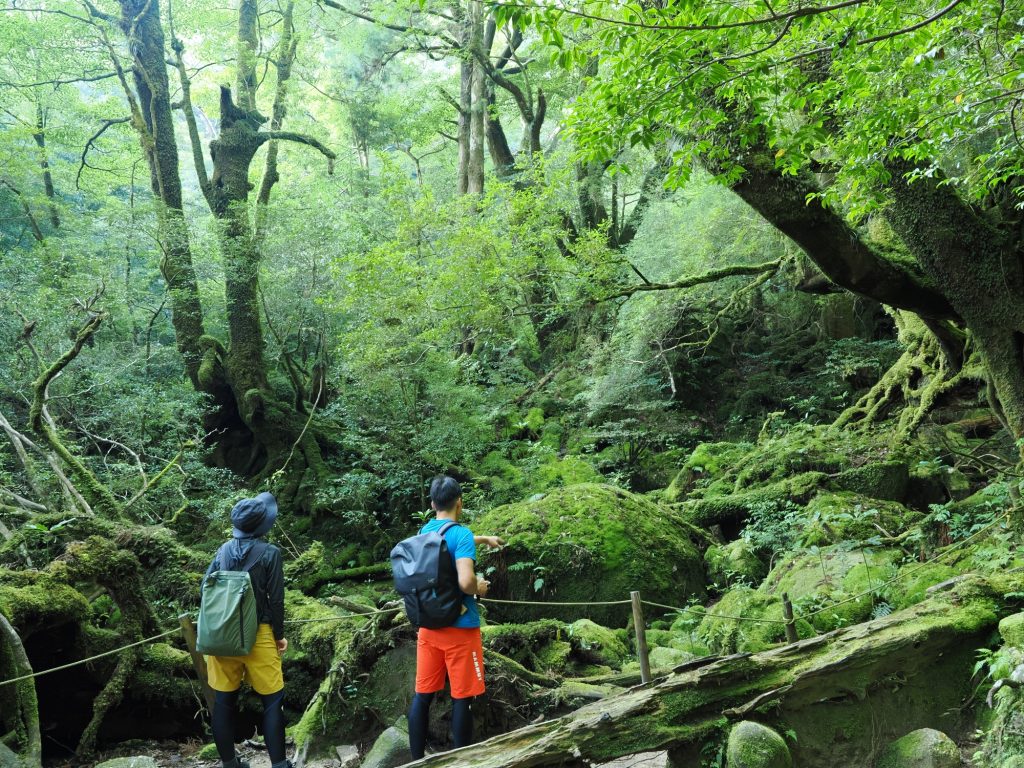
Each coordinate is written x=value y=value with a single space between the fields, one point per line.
x=213 y=566
x=275 y=590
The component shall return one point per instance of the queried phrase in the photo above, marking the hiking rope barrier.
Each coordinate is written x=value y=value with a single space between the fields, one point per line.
x=546 y=602
x=91 y=658
x=542 y=603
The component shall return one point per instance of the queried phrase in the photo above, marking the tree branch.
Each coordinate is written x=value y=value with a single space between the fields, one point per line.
x=299 y=138
x=711 y=276
x=106 y=124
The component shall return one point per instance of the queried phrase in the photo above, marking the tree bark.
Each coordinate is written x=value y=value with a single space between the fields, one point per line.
x=21 y=709
x=39 y=135
x=478 y=102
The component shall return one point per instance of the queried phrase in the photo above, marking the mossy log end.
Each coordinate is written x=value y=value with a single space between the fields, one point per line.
x=838 y=692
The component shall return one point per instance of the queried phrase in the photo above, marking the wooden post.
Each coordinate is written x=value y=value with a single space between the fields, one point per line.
x=787 y=613
x=188 y=631
x=641 y=638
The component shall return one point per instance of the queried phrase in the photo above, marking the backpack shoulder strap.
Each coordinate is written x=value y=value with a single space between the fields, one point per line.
x=253 y=556
x=447 y=527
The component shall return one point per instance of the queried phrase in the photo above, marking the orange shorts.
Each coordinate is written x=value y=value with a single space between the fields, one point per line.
x=455 y=650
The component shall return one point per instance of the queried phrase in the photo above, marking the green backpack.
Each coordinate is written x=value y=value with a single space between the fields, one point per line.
x=227 y=614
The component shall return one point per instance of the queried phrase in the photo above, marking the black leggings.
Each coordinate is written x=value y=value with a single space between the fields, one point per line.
x=225 y=707
x=419 y=720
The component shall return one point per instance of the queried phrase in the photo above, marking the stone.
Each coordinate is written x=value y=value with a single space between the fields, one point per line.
x=734 y=563
x=9 y=758
x=391 y=749
x=924 y=748
x=348 y=755
x=1011 y=629
x=752 y=745
x=140 y=761
x=599 y=644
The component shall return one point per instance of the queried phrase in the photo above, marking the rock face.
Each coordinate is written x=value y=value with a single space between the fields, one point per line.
x=587 y=543
x=752 y=745
x=924 y=748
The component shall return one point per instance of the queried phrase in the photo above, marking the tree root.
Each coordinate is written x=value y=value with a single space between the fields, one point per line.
x=14 y=661
x=921 y=375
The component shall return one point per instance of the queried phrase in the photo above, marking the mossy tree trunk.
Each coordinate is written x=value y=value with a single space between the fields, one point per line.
x=980 y=269
x=152 y=117
x=19 y=709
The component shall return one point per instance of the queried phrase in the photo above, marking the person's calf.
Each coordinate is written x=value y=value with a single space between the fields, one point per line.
x=462 y=722
x=419 y=721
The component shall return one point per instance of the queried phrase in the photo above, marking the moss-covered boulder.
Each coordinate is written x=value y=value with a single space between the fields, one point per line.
x=588 y=543
x=752 y=745
x=722 y=633
x=662 y=657
x=599 y=644
x=722 y=506
x=734 y=563
x=1011 y=629
x=924 y=748
x=914 y=580
x=835 y=578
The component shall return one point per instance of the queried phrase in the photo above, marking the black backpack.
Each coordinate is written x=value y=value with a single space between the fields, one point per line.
x=426 y=578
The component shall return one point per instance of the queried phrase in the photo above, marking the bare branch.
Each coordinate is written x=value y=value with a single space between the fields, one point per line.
x=300 y=138
x=106 y=124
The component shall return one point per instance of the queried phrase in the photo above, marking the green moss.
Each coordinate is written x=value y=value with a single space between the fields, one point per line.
x=845 y=516
x=34 y=601
x=208 y=752
x=597 y=644
x=831 y=576
x=1011 y=629
x=923 y=748
x=726 y=635
x=915 y=578
x=554 y=657
x=734 y=563
x=878 y=480
x=588 y=543
x=707 y=462
x=752 y=745
x=714 y=509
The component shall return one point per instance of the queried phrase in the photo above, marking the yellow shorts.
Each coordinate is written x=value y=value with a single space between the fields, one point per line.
x=261 y=668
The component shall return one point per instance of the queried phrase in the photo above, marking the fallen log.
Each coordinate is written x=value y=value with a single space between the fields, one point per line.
x=843 y=696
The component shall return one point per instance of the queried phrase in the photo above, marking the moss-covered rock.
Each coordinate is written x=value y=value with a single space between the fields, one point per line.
x=723 y=634
x=833 y=517
x=752 y=745
x=830 y=577
x=35 y=600
x=1011 y=629
x=914 y=579
x=588 y=543
x=600 y=644
x=719 y=506
x=924 y=748
x=734 y=563
x=877 y=480
x=662 y=657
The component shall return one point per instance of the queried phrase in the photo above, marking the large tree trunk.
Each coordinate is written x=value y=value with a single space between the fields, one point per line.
x=789 y=203
x=140 y=21
x=477 y=102
x=980 y=271
x=845 y=695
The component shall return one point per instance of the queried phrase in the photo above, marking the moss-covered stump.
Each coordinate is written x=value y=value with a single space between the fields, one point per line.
x=844 y=695
x=831 y=578
x=588 y=543
x=734 y=563
x=923 y=748
x=752 y=745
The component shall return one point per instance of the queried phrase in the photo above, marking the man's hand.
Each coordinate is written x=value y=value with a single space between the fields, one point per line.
x=482 y=585
x=490 y=541
x=282 y=646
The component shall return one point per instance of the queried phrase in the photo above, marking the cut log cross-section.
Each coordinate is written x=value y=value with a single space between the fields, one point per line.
x=842 y=696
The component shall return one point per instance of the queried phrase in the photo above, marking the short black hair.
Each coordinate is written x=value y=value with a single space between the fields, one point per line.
x=444 y=492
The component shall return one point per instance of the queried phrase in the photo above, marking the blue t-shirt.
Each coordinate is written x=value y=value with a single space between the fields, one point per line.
x=460 y=544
